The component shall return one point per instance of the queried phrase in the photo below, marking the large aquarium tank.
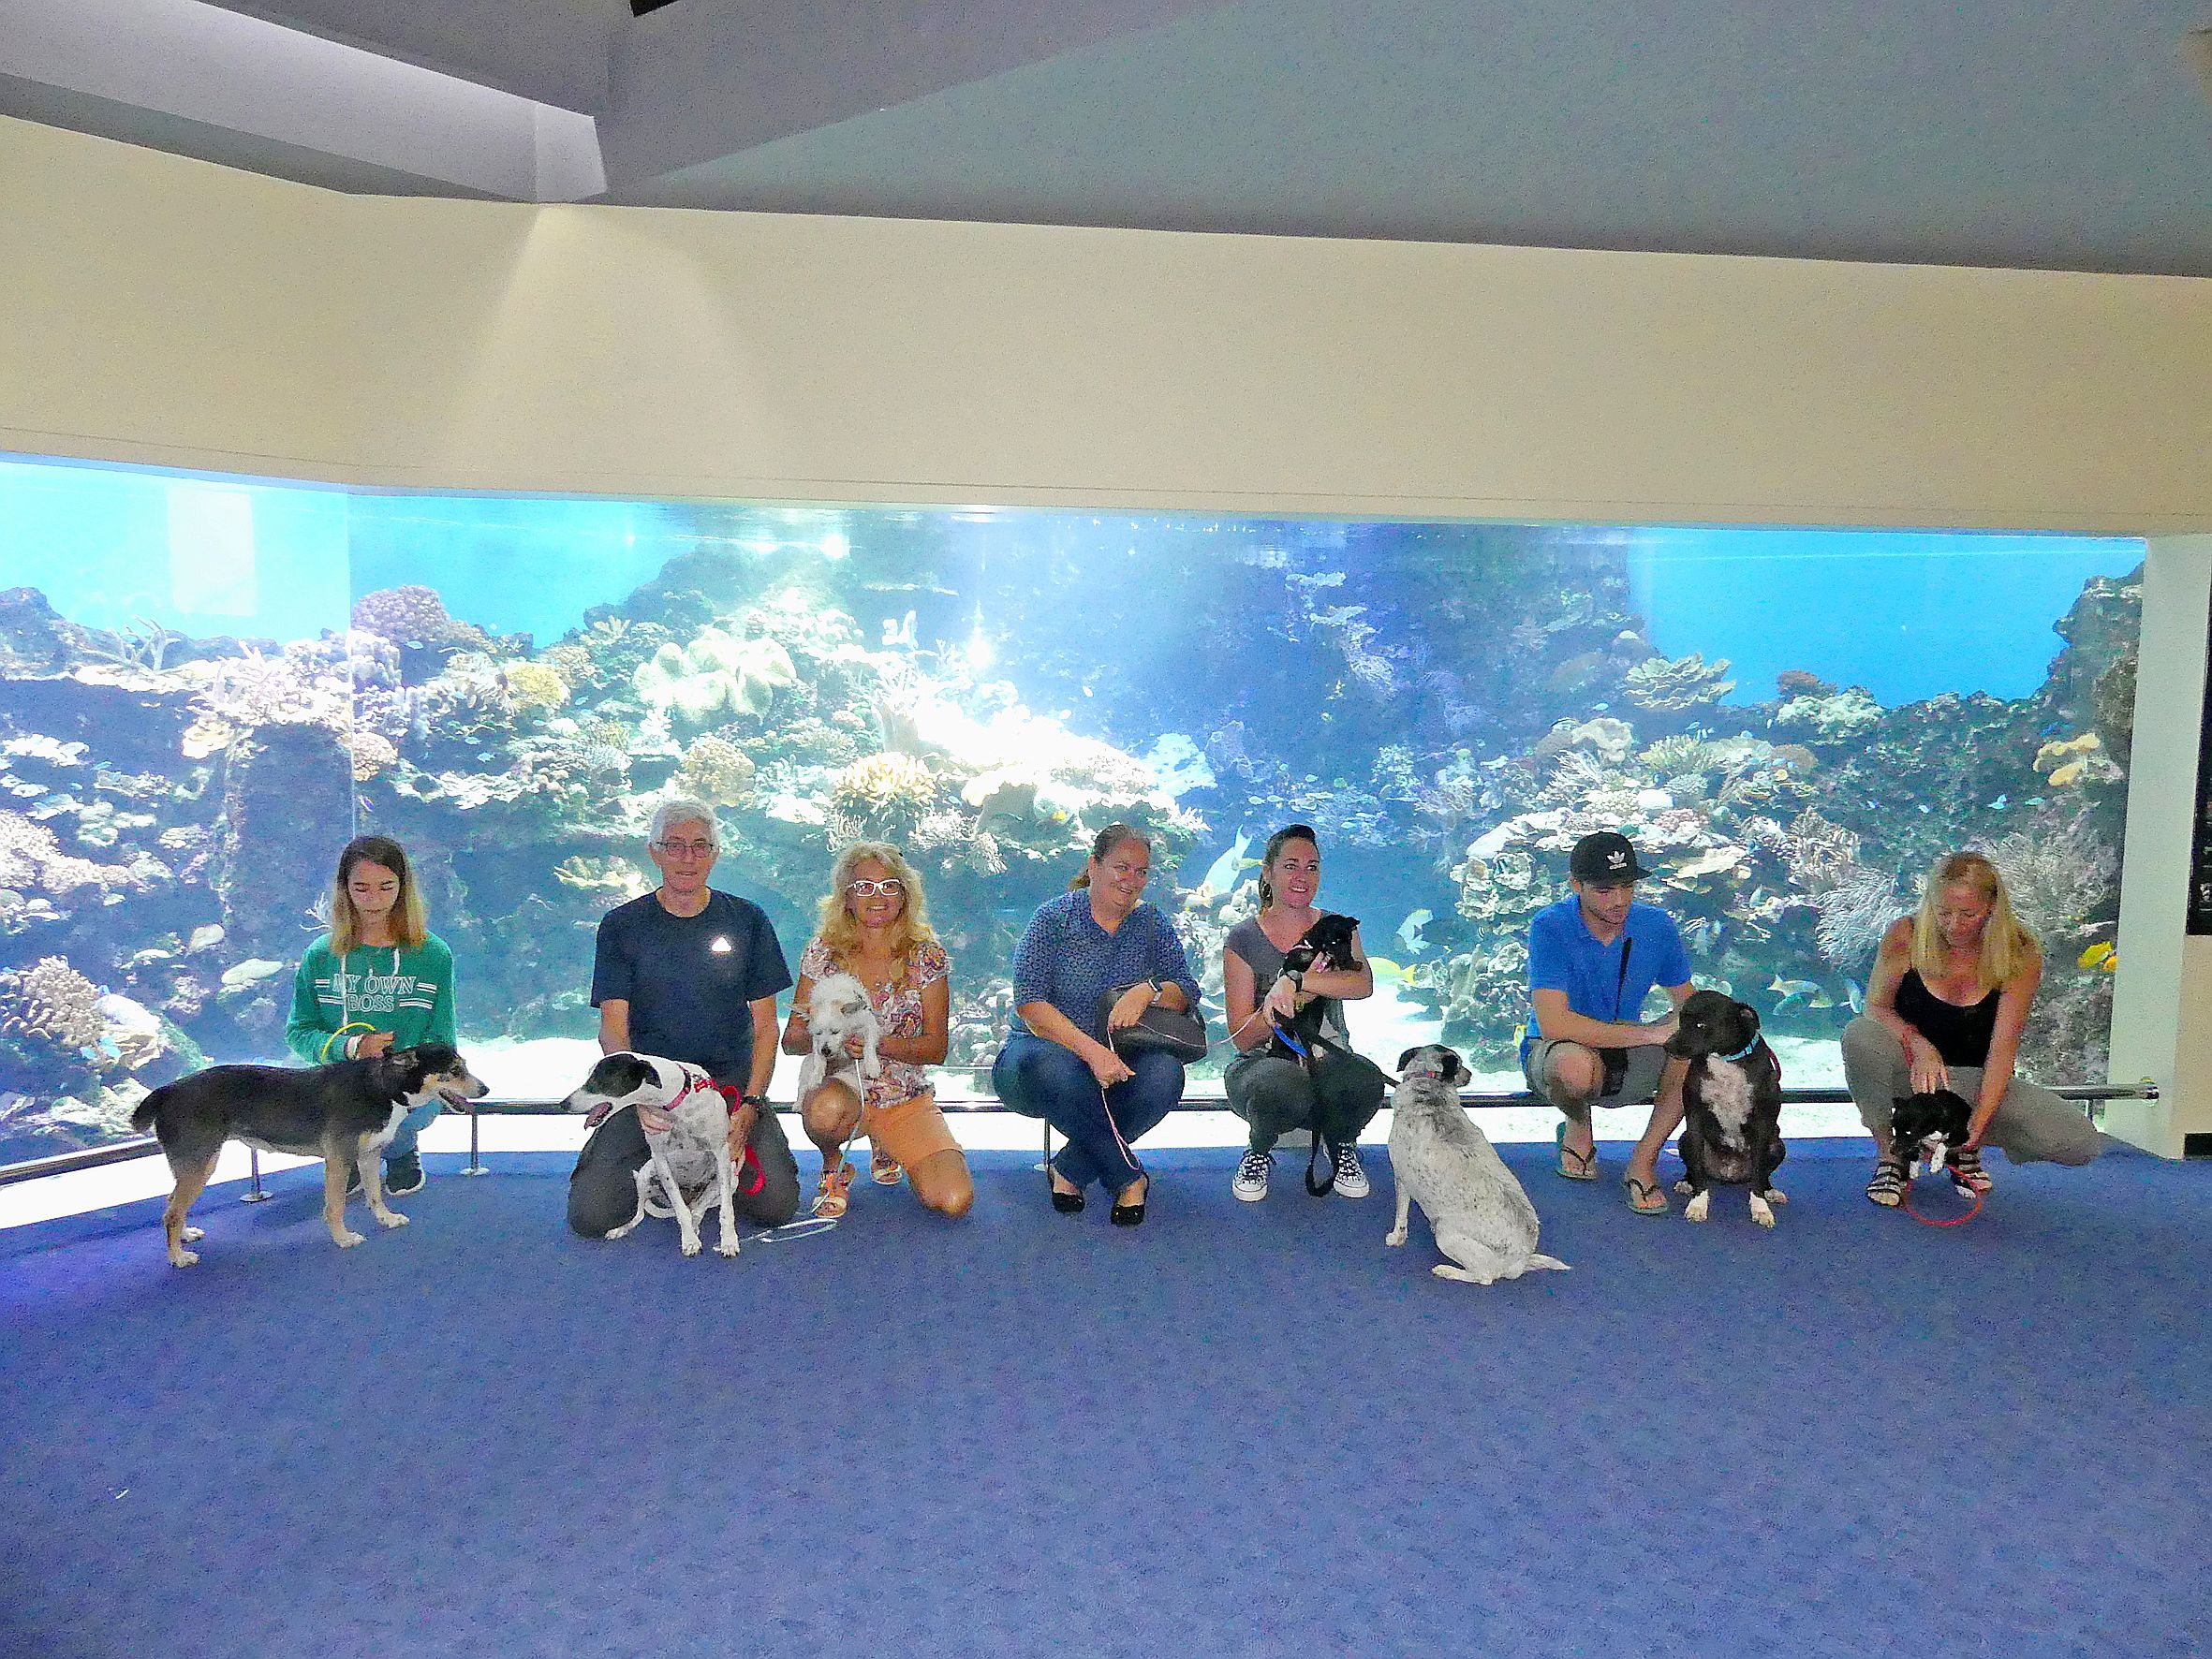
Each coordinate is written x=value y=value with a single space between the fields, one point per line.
x=207 y=685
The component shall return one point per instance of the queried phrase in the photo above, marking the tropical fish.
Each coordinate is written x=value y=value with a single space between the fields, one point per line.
x=2100 y=955
x=1797 y=990
x=1221 y=875
x=1409 y=930
x=1999 y=804
x=1386 y=969
x=899 y=632
x=1856 y=994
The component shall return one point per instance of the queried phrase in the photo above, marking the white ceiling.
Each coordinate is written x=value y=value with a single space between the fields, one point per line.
x=2067 y=134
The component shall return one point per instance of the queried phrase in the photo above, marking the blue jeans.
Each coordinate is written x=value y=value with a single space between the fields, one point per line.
x=1039 y=1079
x=402 y=1144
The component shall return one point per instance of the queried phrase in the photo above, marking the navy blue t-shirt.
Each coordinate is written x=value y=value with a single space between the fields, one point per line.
x=1564 y=955
x=688 y=978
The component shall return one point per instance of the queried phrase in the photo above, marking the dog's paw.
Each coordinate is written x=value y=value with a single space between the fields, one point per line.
x=391 y=1218
x=691 y=1246
x=1761 y=1212
x=190 y=1235
x=345 y=1241
x=183 y=1259
x=1683 y=1189
x=1773 y=1194
x=1395 y=1236
x=728 y=1247
x=1699 y=1207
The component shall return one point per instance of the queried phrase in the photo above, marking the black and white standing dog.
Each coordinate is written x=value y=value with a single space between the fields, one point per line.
x=1926 y=1127
x=343 y=1113
x=1326 y=944
x=1732 y=1130
x=685 y=1120
x=1479 y=1212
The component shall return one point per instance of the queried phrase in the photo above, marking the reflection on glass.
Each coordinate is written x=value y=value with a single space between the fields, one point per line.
x=206 y=687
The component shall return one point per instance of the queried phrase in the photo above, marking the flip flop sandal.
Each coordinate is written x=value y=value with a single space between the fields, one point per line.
x=1645 y=1197
x=830 y=1201
x=1574 y=1166
x=883 y=1170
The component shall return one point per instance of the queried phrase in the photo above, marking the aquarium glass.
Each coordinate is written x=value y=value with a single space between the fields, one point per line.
x=207 y=685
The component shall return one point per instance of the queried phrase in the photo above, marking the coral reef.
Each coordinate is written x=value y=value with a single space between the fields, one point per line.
x=1671 y=685
x=52 y=1004
x=715 y=674
x=719 y=771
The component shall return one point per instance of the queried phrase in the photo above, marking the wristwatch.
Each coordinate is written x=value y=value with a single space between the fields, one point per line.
x=759 y=1100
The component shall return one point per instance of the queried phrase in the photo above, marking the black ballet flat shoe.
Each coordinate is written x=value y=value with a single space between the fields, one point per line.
x=1128 y=1215
x=1066 y=1203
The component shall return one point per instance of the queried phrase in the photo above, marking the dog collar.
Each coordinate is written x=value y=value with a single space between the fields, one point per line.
x=1741 y=1052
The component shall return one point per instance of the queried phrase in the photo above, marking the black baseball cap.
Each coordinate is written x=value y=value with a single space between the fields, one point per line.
x=1607 y=857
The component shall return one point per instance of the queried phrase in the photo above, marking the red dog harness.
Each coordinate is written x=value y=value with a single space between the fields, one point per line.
x=751 y=1177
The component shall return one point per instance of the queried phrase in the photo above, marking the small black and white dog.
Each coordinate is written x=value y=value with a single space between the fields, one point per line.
x=685 y=1121
x=343 y=1113
x=1731 y=1099
x=1926 y=1127
x=1328 y=945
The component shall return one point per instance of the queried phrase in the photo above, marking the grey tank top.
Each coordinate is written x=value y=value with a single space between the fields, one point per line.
x=1258 y=952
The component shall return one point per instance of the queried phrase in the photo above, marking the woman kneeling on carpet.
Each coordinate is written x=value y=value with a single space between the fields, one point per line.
x=1332 y=1091
x=1945 y=1006
x=1059 y=1063
x=874 y=926
x=378 y=981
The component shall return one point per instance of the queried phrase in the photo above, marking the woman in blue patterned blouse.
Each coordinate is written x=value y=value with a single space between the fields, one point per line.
x=1058 y=1064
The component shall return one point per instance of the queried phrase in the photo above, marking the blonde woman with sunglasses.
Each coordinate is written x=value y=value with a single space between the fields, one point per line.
x=874 y=926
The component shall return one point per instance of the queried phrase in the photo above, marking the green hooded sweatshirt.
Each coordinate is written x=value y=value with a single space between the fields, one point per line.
x=372 y=988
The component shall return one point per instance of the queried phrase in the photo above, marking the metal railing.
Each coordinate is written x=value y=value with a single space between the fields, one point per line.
x=1205 y=1097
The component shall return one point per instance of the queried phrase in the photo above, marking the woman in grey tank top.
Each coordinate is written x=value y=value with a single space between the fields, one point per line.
x=1342 y=1092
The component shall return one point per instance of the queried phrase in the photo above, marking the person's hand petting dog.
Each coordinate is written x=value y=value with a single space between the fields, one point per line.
x=741 y=1128
x=653 y=1123
x=1929 y=1073
x=374 y=1044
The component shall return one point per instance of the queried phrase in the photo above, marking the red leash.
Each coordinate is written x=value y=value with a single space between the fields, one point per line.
x=1905 y=1203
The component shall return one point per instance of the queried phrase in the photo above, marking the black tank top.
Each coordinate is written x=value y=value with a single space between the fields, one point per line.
x=1961 y=1035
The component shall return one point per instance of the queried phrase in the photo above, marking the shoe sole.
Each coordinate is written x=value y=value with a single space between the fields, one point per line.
x=1345 y=1192
x=401 y=1191
x=1248 y=1198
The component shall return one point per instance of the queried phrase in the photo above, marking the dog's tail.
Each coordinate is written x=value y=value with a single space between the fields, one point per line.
x=143 y=1114
x=1538 y=1263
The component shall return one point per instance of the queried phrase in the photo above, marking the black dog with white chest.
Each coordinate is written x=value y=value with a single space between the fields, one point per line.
x=343 y=1113
x=1926 y=1127
x=1731 y=1099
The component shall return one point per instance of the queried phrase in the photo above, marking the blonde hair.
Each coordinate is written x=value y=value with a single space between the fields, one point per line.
x=2008 y=948
x=840 y=933
x=410 y=922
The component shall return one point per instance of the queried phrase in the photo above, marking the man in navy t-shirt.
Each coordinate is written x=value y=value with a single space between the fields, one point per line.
x=690 y=973
x=1592 y=960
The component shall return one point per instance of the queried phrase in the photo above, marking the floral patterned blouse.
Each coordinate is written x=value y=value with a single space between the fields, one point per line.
x=898 y=1010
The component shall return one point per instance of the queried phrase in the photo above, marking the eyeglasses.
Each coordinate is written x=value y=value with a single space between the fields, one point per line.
x=890 y=889
x=687 y=849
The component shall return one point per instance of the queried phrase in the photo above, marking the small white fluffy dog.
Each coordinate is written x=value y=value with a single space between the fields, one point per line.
x=840 y=1009
x=687 y=1168
x=1481 y=1218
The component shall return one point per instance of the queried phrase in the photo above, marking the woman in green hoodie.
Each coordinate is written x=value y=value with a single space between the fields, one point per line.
x=379 y=980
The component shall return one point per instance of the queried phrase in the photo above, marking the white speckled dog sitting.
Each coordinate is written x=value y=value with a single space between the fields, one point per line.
x=1731 y=1099
x=685 y=1120
x=1481 y=1218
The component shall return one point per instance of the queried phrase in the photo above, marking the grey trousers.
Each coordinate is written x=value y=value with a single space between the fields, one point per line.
x=603 y=1186
x=1276 y=1095
x=2030 y=1126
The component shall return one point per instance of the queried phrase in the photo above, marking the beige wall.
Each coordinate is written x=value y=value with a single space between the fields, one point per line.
x=163 y=309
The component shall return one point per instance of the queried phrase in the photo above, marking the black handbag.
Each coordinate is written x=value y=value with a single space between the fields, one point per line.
x=1179 y=1032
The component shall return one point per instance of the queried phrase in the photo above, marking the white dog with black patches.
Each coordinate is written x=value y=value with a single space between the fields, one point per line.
x=1481 y=1218
x=838 y=1011
x=685 y=1120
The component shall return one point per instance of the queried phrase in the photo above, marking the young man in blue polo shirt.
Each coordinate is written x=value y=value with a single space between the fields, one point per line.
x=687 y=973
x=1592 y=960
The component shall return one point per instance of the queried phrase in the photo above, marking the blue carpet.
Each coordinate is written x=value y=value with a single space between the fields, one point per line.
x=1242 y=1430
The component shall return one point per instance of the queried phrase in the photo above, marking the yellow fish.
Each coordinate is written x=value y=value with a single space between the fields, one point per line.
x=2100 y=955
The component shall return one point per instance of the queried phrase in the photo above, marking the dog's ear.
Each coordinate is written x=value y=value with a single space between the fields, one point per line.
x=1405 y=1059
x=1456 y=1071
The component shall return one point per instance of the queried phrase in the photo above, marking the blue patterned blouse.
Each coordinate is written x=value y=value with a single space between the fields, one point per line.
x=1067 y=959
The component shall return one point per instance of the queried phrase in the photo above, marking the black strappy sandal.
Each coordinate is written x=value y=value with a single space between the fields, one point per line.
x=1887 y=1188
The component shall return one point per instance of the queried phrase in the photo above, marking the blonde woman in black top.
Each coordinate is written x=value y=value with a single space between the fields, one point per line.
x=1945 y=1006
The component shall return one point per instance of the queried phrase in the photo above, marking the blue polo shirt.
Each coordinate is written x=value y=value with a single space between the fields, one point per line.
x=1564 y=955
x=688 y=978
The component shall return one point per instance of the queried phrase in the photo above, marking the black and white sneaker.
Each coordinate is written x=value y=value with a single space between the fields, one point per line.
x=1250 y=1184
x=1351 y=1181
x=403 y=1176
